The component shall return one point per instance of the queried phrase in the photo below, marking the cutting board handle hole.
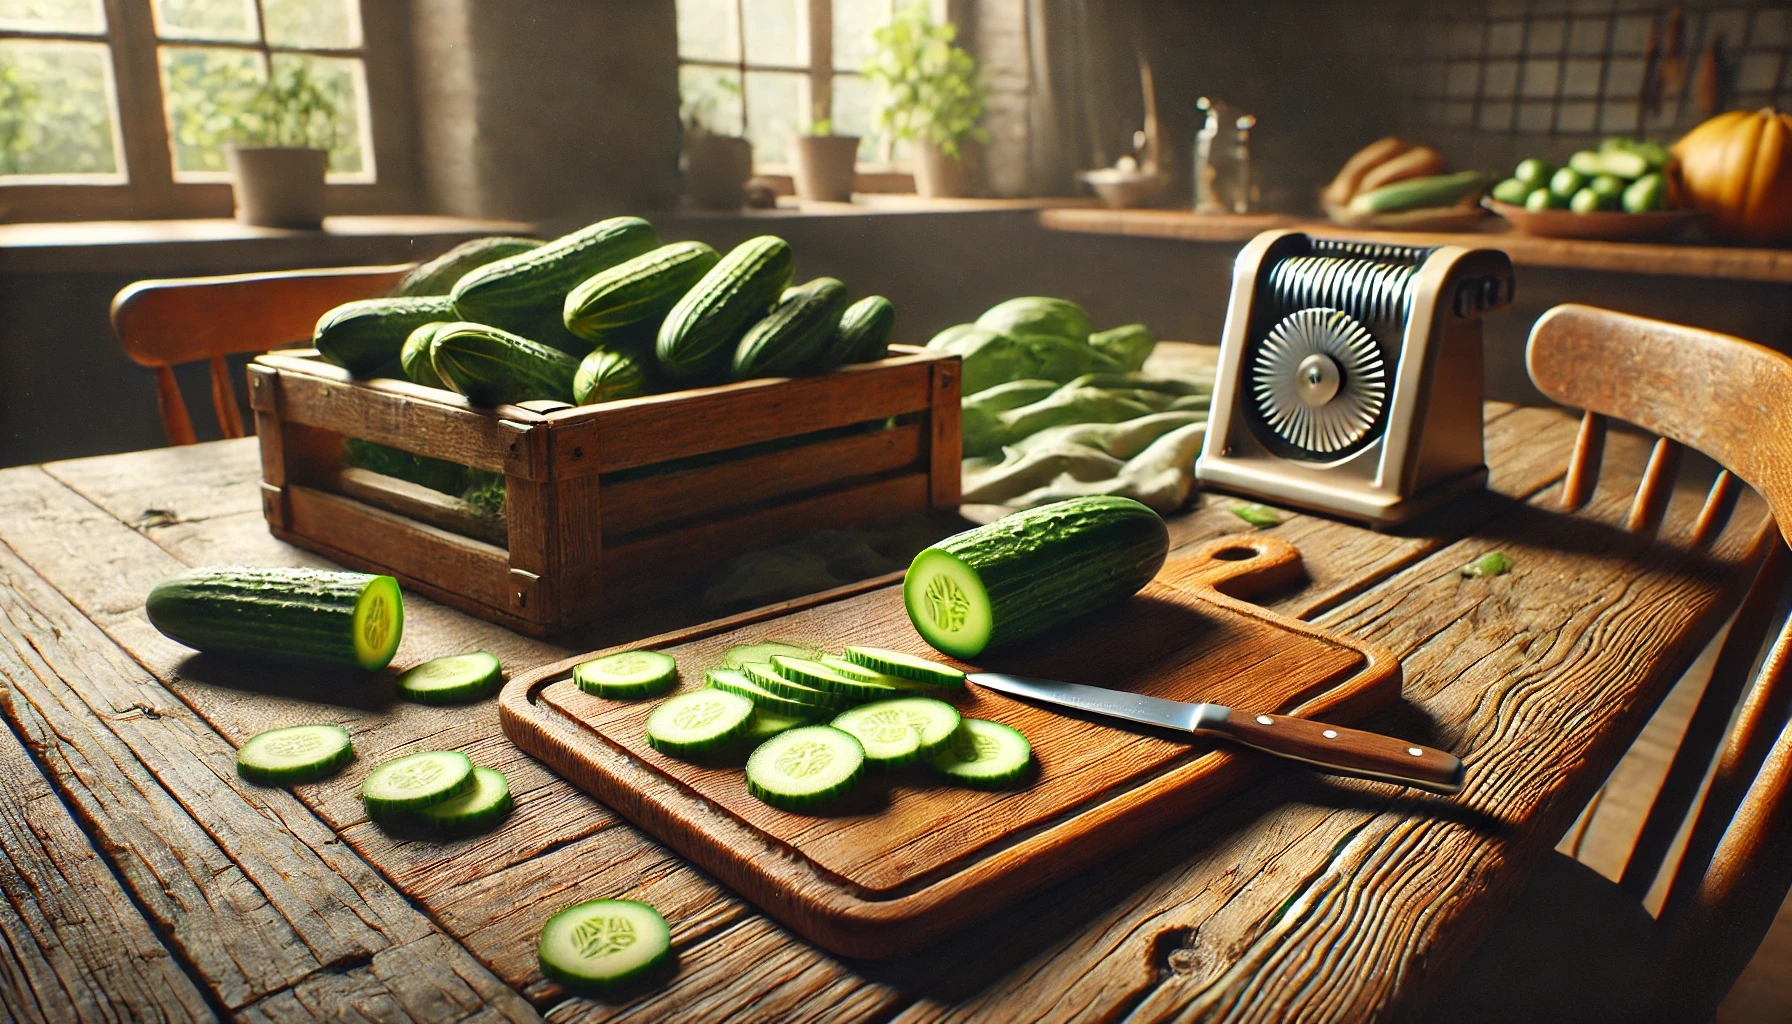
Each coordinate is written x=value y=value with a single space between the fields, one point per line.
x=1235 y=554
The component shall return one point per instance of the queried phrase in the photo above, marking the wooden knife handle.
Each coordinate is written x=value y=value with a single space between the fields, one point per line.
x=1345 y=751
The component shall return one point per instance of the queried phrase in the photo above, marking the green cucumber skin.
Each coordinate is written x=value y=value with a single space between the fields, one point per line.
x=415 y=356
x=437 y=276
x=631 y=296
x=608 y=374
x=286 y=614
x=494 y=367
x=515 y=292
x=699 y=335
x=1045 y=566
x=864 y=332
x=791 y=340
x=368 y=335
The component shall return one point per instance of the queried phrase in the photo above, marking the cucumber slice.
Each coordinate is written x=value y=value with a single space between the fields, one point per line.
x=765 y=700
x=880 y=724
x=767 y=724
x=416 y=781
x=627 y=675
x=452 y=680
x=805 y=767
x=299 y=753
x=984 y=755
x=905 y=666
x=770 y=678
x=739 y=657
x=821 y=677
x=602 y=945
x=699 y=722
x=871 y=675
x=479 y=808
x=378 y=623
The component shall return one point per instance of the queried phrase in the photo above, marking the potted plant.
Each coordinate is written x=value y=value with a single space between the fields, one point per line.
x=280 y=149
x=716 y=166
x=824 y=163
x=932 y=96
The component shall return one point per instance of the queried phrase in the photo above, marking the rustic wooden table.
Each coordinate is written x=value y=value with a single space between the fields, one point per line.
x=145 y=881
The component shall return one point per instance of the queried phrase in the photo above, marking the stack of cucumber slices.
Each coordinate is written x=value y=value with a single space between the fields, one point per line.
x=436 y=792
x=815 y=722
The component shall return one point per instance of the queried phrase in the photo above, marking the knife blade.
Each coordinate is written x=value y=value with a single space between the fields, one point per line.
x=1331 y=748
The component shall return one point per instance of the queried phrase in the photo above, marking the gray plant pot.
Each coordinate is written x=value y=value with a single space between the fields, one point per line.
x=824 y=166
x=716 y=169
x=278 y=187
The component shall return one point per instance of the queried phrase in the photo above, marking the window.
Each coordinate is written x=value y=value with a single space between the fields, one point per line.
x=58 y=94
x=768 y=69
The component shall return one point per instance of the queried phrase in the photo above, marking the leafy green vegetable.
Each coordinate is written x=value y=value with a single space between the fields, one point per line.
x=1129 y=346
x=1493 y=563
x=1032 y=315
x=1257 y=515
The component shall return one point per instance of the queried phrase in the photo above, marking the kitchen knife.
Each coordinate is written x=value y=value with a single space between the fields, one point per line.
x=1332 y=748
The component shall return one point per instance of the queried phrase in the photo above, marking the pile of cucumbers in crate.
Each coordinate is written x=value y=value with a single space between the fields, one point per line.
x=813 y=721
x=602 y=314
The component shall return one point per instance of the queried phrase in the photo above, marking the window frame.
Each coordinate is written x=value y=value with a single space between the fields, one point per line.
x=151 y=190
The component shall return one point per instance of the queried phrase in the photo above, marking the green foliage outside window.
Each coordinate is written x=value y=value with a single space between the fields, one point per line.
x=930 y=87
x=219 y=96
x=55 y=113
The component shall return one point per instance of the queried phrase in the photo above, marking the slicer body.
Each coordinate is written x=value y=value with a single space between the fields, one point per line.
x=1349 y=378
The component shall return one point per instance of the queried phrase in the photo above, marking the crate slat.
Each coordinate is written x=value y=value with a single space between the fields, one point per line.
x=403 y=547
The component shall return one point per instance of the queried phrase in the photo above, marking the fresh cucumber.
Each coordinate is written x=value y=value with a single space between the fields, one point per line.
x=805 y=767
x=819 y=676
x=767 y=676
x=699 y=336
x=880 y=726
x=736 y=681
x=608 y=374
x=437 y=277
x=495 y=367
x=864 y=332
x=699 y=722
x=627 y=675
x=484 y=804
x=452 y=680
x=299 y=753
x=517 y=292
x=1026 y=573
x=793 y=337
x=414 y=358
x=416 y=781
x=905 y=666
x=1419 y=193
x=984 y=755
x=315 y=614
x=1512 y=191
x=634 y=296
x=600 y=946
x=366 y=335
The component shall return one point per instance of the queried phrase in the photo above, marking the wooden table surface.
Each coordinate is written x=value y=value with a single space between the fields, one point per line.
x=145 y=881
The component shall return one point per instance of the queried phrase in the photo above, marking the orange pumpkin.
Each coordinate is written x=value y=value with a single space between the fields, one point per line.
x=1738 y=166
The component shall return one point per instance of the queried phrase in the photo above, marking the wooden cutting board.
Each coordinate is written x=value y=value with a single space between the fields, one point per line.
x=909 y=858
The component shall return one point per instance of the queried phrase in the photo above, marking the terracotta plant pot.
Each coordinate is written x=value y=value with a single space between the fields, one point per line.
x=824 y=166
x=278 y=187
x=716 y=169
x=938 y=176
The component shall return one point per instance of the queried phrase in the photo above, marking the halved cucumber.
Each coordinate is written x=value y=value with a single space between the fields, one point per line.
x=767 y=724
x=299 y=753
x=770 y=678
x=451 y=680
x=984 y=755
x=479 y=808
x=737 y=657
x=601 y=945
x=627 y=675
x=699 y=722
x=905 y=666
x=765 y=700
x=379 y=623
x=805 y=767
x=821 y=677
x=416 y=781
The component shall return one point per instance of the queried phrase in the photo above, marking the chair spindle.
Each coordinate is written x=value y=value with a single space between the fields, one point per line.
x=1719 y=504
x=175 y=421
x=1656 y=488
x=1583 y=465
x=230 y=418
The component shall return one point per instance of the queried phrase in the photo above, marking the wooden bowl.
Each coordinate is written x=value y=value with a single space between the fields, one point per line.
x=1462 y=216
x=1610 y=225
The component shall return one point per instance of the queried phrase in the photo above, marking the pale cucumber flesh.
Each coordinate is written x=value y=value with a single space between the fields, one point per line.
x=627 y=675
x=483 y=805
x=300 y=753
x=985 y=755
x=599 y=946
x=699 y=722
x=416 y=781
x=451 y=680
x=948 y=604
x=805 y=767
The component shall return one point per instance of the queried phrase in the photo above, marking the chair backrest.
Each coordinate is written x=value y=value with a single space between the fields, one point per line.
x=1732 y=400
x=164 y=323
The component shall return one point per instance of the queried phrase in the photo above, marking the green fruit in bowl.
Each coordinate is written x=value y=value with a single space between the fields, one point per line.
x=1534 y=173
x=1646 y=194
x=1566 y=182
x=1544 y=199
x=1589 y=200
x=1608 y=185
x=1513 y=191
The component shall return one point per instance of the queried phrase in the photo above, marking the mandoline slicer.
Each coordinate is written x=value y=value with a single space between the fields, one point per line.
x=1349 y=377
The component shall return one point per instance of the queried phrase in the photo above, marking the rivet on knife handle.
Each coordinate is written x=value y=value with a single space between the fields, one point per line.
x=1346 y=751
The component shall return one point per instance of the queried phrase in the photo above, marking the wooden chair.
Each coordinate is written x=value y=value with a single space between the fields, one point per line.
x=162 y=324
x=1577 y=947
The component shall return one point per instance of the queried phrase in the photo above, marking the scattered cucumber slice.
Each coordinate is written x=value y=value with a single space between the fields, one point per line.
x=627 y=675
x=770 y=678
x=479 y=808
x=805 y=767
x=738 y=657
x=699 y=722
x=905 y=666
x=765 y=700
x=821 y=677
x=452 y=680
x=984 y=755
x=416 y=781
x=884 y=732
x=767 y=724
x=602 y=945
x=299 y=753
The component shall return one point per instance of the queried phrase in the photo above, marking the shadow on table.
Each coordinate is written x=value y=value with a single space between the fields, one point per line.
x=319 y=683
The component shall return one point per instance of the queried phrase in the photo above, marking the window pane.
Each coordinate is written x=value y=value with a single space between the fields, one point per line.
x=58 y=111
x=855 y=103
x=771 y=33
x=203 y=89
x=344 y=80
x=706 y=30
x=224 y=20
x=775 y=101
x=854 y=21
x=54 y=15
x=313 y=24
x=710 y=98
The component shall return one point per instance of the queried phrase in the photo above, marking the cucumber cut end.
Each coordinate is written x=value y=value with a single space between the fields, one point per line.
x=378 y=623
x=947 y=603
x=602 y=945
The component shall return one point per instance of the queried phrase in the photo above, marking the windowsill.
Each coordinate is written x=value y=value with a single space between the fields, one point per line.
x=150 y=246
x=884 y=203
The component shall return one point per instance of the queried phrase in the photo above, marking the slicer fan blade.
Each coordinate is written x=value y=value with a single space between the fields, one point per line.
x=1319 y=381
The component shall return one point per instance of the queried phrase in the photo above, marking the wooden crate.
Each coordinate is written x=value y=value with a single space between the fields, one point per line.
x=588 y=524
